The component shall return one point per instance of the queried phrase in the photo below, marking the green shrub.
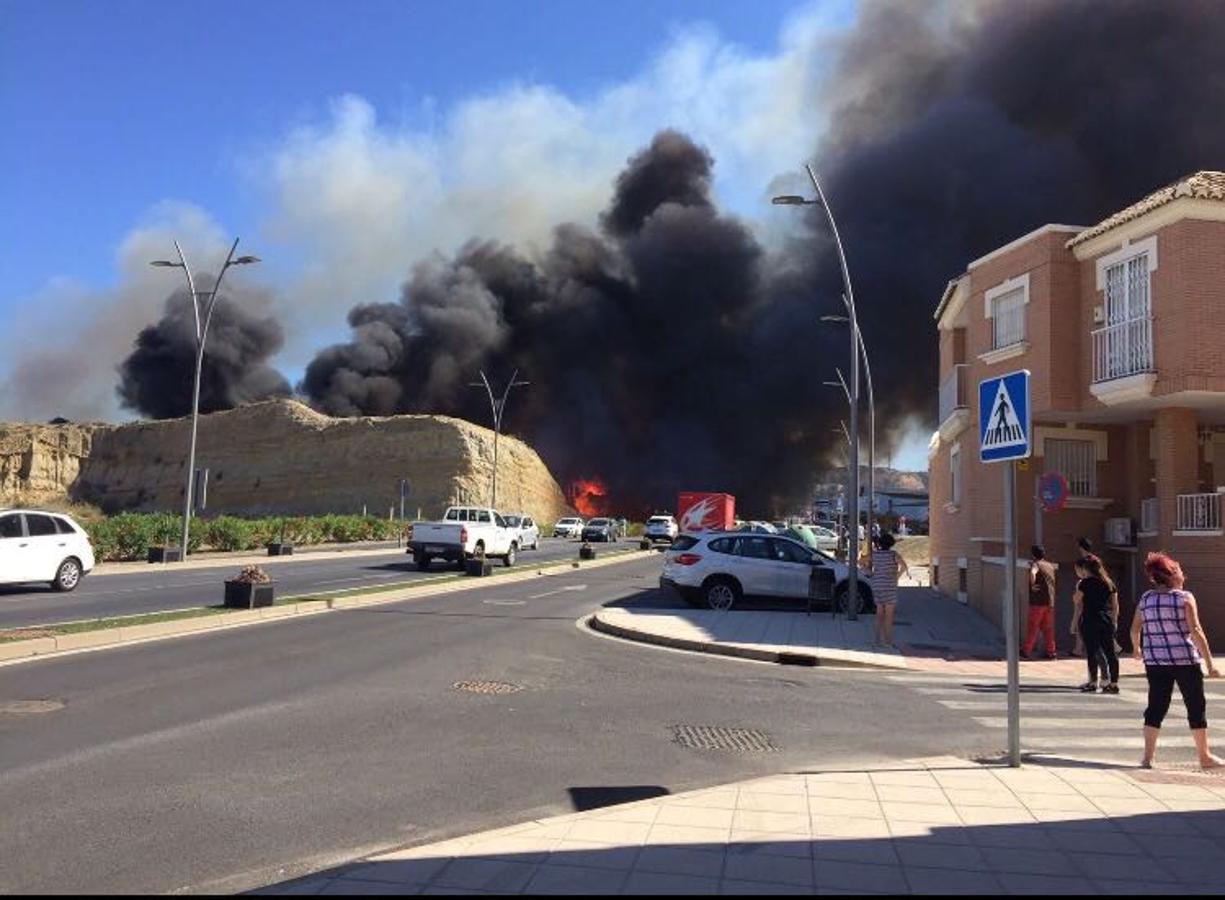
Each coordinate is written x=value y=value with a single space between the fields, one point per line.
x=229 y=533
x=133 y=534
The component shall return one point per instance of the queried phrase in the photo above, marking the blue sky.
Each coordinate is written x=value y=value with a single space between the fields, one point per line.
x=111 y=107
x=335 y=136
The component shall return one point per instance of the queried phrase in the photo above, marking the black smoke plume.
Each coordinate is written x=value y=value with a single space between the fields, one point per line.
x=669 y=350
x=157 y=377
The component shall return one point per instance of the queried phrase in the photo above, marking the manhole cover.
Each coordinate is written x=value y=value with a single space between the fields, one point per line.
x=29 y=707
x=487 y=687
x=713 y=737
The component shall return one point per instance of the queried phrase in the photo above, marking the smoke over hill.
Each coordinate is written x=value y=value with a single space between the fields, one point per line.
x=668 y=348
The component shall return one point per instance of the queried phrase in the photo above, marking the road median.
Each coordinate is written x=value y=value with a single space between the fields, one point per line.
x=22 y=644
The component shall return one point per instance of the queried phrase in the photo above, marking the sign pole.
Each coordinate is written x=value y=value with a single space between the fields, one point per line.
x=1011 y=623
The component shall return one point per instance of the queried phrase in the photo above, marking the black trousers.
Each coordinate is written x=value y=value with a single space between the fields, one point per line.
x=1099 y=649
x=1161 y=681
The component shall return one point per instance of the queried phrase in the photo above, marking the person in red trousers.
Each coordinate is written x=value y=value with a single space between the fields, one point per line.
x=1041 y=603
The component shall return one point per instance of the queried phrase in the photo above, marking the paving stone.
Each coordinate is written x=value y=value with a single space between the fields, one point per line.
x=655 y=883
x=859 y=876
x=550 y=879
x=769 y=869
x=680 y=861
x=947 y=881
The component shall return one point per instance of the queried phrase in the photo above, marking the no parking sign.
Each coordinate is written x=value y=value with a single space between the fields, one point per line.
x=1053 y=491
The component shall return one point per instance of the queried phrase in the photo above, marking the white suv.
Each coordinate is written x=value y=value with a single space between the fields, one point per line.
x=720 y=569
x=660 y=528
x=43 y=546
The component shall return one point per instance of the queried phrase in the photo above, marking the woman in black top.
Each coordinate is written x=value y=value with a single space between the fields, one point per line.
x=1097 y=614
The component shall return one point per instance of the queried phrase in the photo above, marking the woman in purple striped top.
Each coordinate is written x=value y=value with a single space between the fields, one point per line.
x=1167 y=635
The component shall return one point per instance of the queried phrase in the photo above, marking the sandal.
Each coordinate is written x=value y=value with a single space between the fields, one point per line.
x=1089 y=687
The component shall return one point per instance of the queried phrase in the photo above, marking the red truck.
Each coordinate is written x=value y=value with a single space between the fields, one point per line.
x=704 y=511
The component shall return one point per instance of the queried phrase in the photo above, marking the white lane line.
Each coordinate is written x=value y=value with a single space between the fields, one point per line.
x=1076 y=744
x=1066 y=725
x=505 y=602
x=1001 y=702
x=572 y=587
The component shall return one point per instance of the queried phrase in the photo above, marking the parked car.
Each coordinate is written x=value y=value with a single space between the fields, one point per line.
x=462 y=533
x=43 y=546
x=569 y=527
x=815 y=536
x=529 y=534
x=720 y=569
x=757 y=527
x=604 y=530
x=660 y=528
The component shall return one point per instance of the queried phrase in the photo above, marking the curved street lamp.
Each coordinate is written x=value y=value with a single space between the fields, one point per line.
x=498 y=407
x=849 y=299
x=202 y=322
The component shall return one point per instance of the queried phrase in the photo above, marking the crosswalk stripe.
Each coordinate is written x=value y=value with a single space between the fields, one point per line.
x=1001 y=702
x=1065 y=725
x=1093 y=742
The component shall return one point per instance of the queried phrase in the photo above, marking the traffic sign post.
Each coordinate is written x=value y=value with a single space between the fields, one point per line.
x=1004 y=436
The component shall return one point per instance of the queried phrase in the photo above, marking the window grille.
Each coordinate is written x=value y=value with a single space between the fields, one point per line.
x=1008 y=319
x=1076 y=461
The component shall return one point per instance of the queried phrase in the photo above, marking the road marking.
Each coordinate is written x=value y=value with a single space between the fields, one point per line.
x=505 y=602
x=572 y=587
x=1042 y=723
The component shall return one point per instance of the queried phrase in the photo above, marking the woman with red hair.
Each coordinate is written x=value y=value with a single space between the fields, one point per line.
x=1167 y=635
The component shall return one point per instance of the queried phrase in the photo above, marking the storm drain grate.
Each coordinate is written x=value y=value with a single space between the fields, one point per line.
x=28 y=707
x=713 y=737
x=487 y=687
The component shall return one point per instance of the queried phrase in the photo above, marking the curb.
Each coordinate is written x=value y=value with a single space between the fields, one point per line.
x=22 y=651
x=738 y=651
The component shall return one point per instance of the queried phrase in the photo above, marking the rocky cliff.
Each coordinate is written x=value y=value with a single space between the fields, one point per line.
x=281 y=457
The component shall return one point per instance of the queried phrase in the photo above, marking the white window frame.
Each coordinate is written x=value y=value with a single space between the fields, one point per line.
x=955 y=475
x=1076 y=460
x=1006 y=292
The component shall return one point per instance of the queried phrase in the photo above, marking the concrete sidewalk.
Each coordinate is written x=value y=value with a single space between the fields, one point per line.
x=945 y=825
x=932 y=633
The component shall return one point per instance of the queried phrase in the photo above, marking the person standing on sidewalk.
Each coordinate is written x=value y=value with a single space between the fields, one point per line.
x=1096 y=614
x=1166 y=633
x=886 y=563
x=1041 y=603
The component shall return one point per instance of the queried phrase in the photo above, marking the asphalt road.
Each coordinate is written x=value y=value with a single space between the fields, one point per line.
x=163 y=588
x=224 y=761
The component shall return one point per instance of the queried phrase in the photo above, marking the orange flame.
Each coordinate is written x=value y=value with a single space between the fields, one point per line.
x=589 y=496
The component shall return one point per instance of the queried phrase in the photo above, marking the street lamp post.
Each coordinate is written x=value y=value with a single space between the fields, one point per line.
x=498 y=407
x=202 y=322
x=849 y=297
x=867 y=370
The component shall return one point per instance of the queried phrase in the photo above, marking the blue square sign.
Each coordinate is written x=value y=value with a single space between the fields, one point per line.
x=1003 y=417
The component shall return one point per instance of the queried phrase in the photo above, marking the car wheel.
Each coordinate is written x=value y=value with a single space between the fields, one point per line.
x=68 y=575
x=423 y=562
x=840 y=598
x=721 y=593
x=509 y=559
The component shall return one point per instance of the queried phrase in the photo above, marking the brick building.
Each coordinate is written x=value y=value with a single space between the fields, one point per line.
x=1122 y=325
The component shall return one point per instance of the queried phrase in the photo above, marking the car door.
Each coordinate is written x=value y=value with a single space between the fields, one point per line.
x=14 y=547
x=791 y=568
x=47 y=546
x=754 y=568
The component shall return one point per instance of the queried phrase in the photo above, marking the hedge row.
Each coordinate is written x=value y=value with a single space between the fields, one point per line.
x=129 y=535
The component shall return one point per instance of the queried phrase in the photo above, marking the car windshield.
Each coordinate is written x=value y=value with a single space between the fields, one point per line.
x=598 y=523
x=658 y=520
x=513 y=521
x=566 y=521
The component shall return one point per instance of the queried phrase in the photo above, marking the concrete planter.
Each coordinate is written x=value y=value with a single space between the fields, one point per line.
x=644 y=544
x=586 y=552
x=243 y=595
x=283 y=548
x=165 y=554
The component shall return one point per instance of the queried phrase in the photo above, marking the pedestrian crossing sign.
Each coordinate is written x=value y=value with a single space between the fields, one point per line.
x=1003 y=417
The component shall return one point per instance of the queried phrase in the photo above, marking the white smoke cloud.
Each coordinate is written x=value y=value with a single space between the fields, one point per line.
x=350 y=202
x=63 y=351
x=364 y=199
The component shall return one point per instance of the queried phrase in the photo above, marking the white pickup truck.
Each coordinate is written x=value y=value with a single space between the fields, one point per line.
x=462 y=533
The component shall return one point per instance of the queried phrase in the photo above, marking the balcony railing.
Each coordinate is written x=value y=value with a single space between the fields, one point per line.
x=1123 y=349
x=1150 y=515
x=953 y=394
x=1199 y=512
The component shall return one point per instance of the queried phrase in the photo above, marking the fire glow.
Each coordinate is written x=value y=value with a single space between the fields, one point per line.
x=589 y=496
